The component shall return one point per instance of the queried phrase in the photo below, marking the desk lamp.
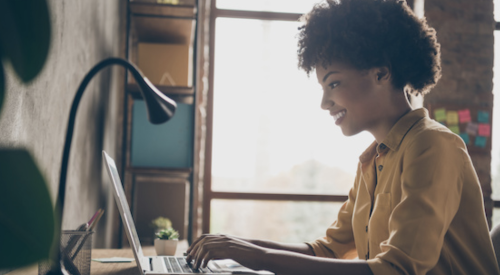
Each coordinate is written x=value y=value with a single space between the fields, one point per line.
x=160 y=109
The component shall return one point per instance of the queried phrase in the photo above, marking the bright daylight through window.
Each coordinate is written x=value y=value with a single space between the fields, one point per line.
x=495 y=151
x=269 y=132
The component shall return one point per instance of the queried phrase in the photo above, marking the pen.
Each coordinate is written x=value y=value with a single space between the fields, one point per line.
x=90 y=228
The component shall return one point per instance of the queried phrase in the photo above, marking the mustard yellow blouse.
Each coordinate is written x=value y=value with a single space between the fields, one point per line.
x=416 y=206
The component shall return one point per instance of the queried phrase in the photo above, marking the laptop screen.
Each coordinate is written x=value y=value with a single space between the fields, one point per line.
x=124 y=209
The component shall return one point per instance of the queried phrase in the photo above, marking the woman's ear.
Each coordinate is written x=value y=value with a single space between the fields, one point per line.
x=383 y=74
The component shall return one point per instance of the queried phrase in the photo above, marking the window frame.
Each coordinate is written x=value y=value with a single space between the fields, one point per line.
x=496 y=203
x=208 y=193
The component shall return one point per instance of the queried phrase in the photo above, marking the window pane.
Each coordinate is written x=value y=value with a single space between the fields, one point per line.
x=496 y=217
x=287 y=222
x=269 y=132
x=496 y=4
x=302 y=6
x=495 y=142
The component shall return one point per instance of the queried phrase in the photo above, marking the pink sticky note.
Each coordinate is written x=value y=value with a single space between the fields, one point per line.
x=484 y=129
x=464 y=115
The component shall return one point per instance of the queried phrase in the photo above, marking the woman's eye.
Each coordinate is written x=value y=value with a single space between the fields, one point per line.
x=333 y=84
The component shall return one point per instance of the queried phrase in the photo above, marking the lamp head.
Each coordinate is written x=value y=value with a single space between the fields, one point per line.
x=160 y=107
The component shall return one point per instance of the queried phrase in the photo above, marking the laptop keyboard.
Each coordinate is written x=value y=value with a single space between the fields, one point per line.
x=179 y=265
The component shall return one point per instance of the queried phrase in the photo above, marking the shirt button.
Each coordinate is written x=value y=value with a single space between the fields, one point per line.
x=380 y=167
x=367 y=257
x=382 y=146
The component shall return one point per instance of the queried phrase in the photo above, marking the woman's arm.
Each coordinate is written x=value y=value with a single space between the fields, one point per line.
x=289 y=263
x=301 y=248
x=279 y=261
x=292 y=247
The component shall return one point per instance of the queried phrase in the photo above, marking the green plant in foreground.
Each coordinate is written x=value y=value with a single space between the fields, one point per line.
x=168 y=234
x=27 y=221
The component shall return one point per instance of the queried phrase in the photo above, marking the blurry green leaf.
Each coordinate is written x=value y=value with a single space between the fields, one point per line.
x=25 y=35
x=26 y=213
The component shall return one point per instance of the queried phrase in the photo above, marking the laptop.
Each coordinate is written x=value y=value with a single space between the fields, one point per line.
x=163 y=264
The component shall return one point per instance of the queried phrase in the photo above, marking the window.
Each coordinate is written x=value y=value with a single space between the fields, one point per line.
x=495 y=150
x=276 y=158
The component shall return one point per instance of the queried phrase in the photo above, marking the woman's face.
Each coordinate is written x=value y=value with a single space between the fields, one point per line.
x=351 y=96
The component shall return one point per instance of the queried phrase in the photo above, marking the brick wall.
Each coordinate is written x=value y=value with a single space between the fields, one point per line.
x=465 y=31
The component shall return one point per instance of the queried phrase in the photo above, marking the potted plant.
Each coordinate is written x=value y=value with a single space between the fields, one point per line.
x=160 y=223
x=166 y=242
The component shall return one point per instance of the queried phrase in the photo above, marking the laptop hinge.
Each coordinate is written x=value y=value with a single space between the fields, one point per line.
x=146 y=264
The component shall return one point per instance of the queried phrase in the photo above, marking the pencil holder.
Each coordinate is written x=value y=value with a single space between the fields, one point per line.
x=76 y=249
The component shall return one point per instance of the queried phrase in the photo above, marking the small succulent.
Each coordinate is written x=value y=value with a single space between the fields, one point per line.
x=161 y=223
x=167 y=234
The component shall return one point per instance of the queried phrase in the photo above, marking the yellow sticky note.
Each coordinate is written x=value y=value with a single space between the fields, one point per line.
x=452 y=118
x=454 y=129
x=440 y=114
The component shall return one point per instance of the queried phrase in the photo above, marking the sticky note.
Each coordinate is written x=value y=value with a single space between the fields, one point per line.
x=471 y=128
x=440 y=114
x=484 y=129
x=483 y=116
x=454 y=129
x=480 y=142
x=465 y=137
x=452 y=118
x=464 y=115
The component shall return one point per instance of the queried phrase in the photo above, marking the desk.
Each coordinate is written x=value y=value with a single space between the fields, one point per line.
x=97 y=268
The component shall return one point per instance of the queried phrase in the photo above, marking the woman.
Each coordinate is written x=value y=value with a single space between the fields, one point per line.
x=416 y=205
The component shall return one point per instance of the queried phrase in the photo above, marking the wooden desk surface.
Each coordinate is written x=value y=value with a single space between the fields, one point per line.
x=97 y=268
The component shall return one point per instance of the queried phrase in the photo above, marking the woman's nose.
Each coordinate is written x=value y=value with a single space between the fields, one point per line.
x=326 y=103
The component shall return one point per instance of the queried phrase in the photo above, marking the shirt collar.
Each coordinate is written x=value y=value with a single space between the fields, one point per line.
x=402 y=127
x=396 y=134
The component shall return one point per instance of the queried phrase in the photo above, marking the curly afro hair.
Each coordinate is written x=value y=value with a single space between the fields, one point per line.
x=372 y=33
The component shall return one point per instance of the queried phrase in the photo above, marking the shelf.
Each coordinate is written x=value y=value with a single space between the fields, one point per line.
x=161 y=42
x=182 y=173
x=163 y=29
x=156 y=192
x=161 y=23
x=167 y=90
x=178 y=94
x=163 y=10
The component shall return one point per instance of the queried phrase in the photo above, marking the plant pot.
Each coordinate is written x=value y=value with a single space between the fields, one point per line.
x=165 y=247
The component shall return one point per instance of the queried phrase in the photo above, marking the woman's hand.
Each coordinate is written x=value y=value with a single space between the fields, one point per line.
x=211 y=247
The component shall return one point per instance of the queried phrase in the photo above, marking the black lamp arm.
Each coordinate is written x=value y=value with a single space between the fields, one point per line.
x=69 y=136
x=72 y=115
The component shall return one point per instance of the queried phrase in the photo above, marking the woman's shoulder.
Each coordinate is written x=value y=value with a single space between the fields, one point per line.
x=430 y=134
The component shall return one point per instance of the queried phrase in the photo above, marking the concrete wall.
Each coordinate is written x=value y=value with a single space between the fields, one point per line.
x=34 y=116
x=465 y=31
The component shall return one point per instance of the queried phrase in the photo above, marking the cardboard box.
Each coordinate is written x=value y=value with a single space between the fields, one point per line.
x=166 y=64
